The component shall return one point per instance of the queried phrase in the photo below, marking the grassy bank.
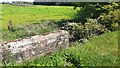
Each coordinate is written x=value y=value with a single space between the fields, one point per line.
x=98 y=51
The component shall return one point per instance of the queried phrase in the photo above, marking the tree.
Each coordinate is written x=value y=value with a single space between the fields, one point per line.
x=94 y=10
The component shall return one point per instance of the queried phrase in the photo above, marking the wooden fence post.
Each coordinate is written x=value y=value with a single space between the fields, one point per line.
x=10 y=25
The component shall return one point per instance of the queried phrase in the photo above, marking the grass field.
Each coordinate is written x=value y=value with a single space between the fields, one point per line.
x=98 y=51
x=25 y=15
x=29 y=14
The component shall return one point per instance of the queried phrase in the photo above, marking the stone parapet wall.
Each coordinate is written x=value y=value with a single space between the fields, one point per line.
x=31 y=47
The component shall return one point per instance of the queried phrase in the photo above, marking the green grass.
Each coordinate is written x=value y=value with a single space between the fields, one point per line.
x=98 y=51
x=23 y=31
x=29 y=14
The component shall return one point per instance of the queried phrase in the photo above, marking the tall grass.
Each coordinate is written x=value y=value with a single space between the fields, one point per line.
x=23 y=31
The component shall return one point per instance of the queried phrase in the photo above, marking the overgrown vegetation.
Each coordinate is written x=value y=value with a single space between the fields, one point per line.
x=98 y=51
x=23 y=31
x=94 y=10
x=92 y=19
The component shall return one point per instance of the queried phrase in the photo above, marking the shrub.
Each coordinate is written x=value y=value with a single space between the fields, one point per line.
x=83 y=32
x=94 y=10
x=110 y=20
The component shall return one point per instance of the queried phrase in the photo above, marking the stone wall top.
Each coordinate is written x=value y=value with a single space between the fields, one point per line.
x=15 y=44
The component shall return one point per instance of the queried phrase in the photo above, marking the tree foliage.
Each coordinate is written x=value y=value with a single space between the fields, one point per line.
x=94 y=9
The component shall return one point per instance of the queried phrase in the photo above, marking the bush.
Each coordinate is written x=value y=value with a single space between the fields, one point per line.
x=110 y=20
x=94 y=10
x=95 y=19
x=82 y=32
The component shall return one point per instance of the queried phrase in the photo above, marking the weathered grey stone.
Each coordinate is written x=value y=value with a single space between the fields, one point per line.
x=31 y=47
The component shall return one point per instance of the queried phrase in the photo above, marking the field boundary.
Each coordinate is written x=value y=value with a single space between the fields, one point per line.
x=27 y=48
